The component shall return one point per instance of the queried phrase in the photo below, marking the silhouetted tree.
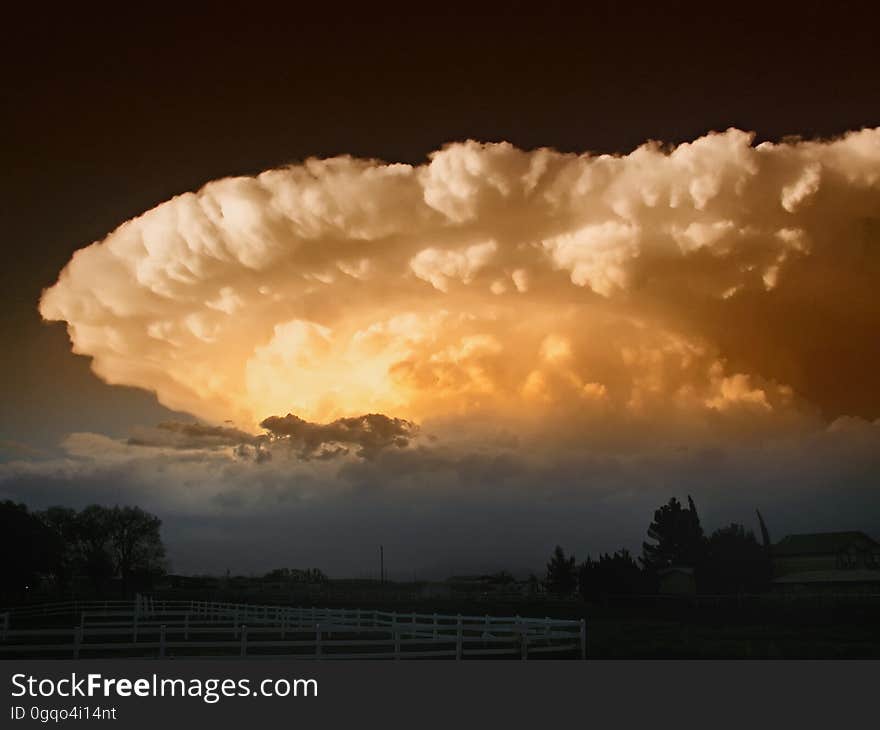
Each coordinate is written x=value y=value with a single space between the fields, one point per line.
x=736 y=562
x=678 y=535
x=92 y=537
x=561 y=577
x=617 y=574
x=295 y=575
x=62 y=522
x=135 y=544
x=102 y=542
x=29 y=548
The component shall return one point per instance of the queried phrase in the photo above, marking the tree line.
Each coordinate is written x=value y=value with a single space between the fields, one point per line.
x=730 y=560
x=104 y=550
x=99 y=550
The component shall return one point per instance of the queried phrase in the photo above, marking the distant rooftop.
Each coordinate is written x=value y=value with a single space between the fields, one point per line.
x=823 y=543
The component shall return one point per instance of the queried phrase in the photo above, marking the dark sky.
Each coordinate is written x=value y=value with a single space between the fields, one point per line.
x=109 y=113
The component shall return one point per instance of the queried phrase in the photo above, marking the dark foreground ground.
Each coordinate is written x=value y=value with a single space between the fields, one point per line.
x=727 y=627
x=651 y=627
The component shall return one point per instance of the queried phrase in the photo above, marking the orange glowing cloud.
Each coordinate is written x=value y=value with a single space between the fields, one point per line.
x=710 y=278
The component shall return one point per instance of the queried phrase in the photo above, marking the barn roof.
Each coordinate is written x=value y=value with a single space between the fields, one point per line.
x=822 y=543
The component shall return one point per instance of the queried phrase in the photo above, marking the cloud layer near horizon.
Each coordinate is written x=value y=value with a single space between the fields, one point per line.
x=442 y=509
x=682 y=287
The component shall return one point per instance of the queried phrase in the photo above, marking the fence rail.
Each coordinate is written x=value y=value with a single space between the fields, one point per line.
x=193 y=629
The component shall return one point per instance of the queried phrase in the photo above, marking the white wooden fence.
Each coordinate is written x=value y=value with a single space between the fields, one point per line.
x=197 y=629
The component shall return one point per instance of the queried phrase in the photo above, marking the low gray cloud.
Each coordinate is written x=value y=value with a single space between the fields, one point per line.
x=367 y=435
x=364 y=436
x=441 y=510
x=178 y=435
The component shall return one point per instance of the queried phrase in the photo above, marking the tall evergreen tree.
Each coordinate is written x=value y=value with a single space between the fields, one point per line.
x=561 y=577
x=678 y=537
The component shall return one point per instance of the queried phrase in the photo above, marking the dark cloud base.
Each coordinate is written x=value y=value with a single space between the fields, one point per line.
x=366 y=435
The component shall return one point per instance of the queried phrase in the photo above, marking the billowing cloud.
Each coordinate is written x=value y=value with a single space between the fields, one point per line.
x=714 y=282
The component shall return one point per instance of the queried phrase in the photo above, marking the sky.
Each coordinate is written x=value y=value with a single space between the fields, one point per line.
x=466 y=285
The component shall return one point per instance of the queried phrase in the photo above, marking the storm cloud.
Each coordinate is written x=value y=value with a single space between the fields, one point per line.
x=491 y=352
x=668 y=284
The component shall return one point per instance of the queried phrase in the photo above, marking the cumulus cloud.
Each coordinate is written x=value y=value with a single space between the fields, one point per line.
x=673 y=284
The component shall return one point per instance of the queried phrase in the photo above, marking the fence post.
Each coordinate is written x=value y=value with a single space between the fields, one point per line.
x=186 y=627
x=357 y=616
x=375 y=618
x=547 y=628
x=397 y=645
x=394 y=621
x=524 y=644
x=317 y=641
x=244 y=630
x=458 y=637
x=5 y=625
x=162 y=640
x=413 y=633
x=77 y=640
x=583 y=632
x=134 y=629
x=435 y=626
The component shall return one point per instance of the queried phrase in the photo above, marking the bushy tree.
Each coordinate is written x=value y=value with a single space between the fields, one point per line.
x=92 y=535
x=297 y=575
x=101 y=543
x=735 y=563
x=29 y=548
x=135 y=544
x=561 y=577
x=616 y=574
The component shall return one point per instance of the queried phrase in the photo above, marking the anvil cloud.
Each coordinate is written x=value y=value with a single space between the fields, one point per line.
x=711 y=283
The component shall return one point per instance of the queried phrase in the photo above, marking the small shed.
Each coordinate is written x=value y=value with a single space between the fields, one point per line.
x=677 y=580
